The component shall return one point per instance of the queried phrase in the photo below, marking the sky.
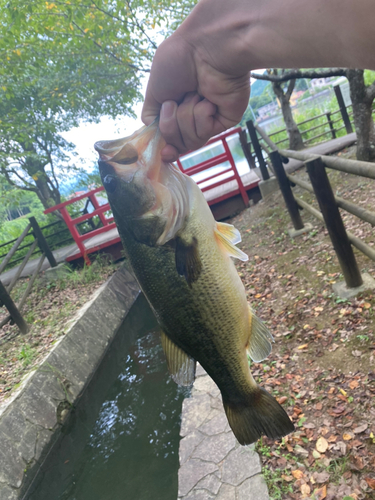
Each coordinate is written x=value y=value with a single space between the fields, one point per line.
x=85 y=136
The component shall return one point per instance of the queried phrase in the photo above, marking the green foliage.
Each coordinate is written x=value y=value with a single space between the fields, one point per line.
x=26 y=355
x=67 y=62
x=301 y=116
x=369 y=77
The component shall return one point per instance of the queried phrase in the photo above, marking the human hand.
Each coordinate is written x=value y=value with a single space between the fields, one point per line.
x=196 y=97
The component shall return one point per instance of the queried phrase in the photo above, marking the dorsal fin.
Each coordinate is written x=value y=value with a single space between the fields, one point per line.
x=227 y=237
x=259 y=345
x=180 y=365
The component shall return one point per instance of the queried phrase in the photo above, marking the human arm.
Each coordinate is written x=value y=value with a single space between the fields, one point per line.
x=200 y=75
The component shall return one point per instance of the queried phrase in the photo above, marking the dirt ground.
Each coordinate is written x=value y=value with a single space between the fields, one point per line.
x=322 y=368
x=49 y=309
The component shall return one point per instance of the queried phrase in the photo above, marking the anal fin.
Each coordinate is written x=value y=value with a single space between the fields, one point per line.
x=180 y=365
x=260 y=339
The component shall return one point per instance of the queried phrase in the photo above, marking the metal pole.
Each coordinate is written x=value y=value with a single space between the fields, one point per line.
x=246 y=148
x=43 y=245
x=333 y=221
x=286 y=190
x=257 y=149
x=342 y=106
x=6 y=299
x=13 y=250
x=329 y=119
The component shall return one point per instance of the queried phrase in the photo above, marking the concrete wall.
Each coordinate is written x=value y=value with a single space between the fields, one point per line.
x=31 y=423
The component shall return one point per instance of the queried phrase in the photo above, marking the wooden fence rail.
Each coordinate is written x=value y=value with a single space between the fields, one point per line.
x=329 y=204
x=15 y=311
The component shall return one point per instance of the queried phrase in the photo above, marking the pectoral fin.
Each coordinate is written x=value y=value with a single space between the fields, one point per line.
x=180 y=365
x=260 y=339
x=227 y=237
x=188 y=263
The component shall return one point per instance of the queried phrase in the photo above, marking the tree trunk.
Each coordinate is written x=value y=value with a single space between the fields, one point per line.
x=48 y=194
x=362 y=113
x=295 y=138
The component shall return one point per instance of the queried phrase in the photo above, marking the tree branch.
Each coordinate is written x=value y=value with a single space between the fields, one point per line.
x=12 y=183
x=140 y=27
x=298 y=73
x=371 y=91
x=290 y=89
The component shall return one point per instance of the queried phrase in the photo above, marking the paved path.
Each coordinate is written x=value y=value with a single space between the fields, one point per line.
x=212 y=463
x=60 y=255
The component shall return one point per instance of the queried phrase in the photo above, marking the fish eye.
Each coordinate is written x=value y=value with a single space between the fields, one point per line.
x=110 y=183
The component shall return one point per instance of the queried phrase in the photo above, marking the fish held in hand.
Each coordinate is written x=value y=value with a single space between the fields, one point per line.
x=182 y=259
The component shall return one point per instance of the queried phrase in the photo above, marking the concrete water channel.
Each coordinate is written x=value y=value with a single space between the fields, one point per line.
x=100 y=419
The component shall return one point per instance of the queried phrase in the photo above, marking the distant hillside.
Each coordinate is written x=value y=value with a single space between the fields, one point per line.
x=257 y=88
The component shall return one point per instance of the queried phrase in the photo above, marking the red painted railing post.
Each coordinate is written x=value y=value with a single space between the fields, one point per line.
x=236 y=174
x=76 y=236
x=96 y=205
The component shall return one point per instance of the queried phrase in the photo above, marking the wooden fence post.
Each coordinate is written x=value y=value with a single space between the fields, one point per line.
x=257 y=149
x=329 y=119
x=286 y=190
x=43 y=245
x=343 y=110
x=7 y=301
x=333 y=221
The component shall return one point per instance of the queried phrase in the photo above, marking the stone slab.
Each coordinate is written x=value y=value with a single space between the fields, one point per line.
x=293 y=233
x=344 y=292
x=268 y=187
x=212 y=463
x=30 y=422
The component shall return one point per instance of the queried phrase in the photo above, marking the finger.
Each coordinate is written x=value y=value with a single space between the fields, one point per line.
x=169 y=126
x=169 y=153
x=206 y=123
x=186 y=122
x=150 y=110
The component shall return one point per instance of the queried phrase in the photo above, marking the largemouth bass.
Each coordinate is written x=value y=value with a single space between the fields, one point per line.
x=182 y=259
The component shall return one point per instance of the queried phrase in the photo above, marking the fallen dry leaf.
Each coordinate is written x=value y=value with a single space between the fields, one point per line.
x=297 y=474
x=347 y=437
x=360 y=428
x=303 y=346
x=371 y=482
x=321 y=445
x=321 y=477
x=320 y=493
x=305 y=490
x=354 y=384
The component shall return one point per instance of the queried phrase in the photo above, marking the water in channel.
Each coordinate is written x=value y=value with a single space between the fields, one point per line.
x=122 y=441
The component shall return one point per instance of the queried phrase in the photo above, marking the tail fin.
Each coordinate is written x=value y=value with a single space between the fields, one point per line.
x=262 y=415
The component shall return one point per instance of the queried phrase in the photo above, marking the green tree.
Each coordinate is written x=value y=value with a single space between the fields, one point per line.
x=64 y=62
x=362 y=93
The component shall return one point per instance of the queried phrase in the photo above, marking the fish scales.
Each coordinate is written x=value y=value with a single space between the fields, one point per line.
x=183 y=262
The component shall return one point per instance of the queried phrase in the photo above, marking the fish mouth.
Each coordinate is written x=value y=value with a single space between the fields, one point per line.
x=128 y=150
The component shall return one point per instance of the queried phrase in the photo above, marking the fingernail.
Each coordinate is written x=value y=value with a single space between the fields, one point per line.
x=167 y=110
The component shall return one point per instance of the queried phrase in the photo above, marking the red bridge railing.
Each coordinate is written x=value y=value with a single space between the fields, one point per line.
x=99 y=210
x=225 y=156
x=108 y=224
